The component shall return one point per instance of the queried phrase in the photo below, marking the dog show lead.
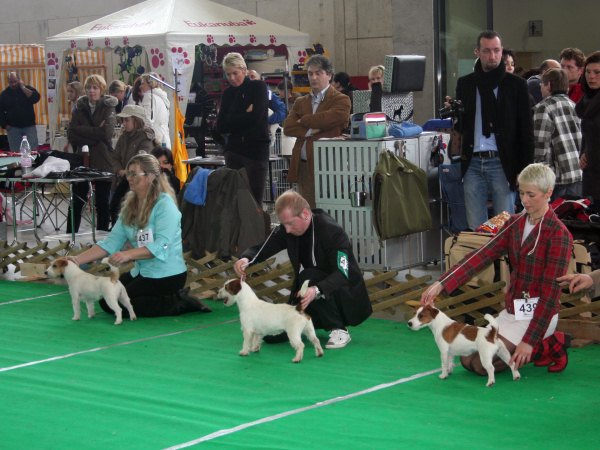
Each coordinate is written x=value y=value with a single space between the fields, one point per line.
x=320 y=251
x=148 y=232
x=538 y=258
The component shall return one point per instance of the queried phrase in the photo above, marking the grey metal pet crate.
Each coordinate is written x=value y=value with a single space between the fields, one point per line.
x=343 y=167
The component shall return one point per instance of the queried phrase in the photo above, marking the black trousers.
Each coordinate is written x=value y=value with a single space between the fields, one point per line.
x=152 y=297
x=256 y=171
x=80 y=192
x=324 y=311
x=117 y=197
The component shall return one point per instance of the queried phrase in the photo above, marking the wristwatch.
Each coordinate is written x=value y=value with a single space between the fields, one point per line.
x=317 y=292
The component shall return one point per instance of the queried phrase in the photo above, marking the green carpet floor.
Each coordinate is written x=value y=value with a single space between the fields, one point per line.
x=178 y=381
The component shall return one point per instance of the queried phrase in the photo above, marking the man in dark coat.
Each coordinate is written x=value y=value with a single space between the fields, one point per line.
x=497 y=131
x=16 y=112
x=320 y=251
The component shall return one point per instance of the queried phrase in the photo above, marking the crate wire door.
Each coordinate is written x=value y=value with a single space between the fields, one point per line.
x=339 y=170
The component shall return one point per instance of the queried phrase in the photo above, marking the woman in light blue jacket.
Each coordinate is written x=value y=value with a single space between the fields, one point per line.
x=148 y=233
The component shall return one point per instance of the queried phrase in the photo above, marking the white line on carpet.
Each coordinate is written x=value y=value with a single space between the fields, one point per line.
x=106 y=347
x=19 y=300
x=292 y=412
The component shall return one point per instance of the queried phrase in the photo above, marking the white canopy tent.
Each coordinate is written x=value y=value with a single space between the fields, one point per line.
x=168 y=30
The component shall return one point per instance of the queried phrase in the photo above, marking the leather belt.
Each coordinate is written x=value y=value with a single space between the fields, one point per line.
x=486 y=154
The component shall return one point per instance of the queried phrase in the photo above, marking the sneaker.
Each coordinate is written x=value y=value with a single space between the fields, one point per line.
x=338 y=339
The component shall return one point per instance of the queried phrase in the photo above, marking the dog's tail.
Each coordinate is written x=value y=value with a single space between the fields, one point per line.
x=114 y=270
x=493 y=325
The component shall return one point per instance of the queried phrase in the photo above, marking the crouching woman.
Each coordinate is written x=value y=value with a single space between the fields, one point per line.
x=148 y=233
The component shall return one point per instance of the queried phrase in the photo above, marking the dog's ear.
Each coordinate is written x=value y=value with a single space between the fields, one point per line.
x=62 y=263
x=234 y=286
x=433 y=311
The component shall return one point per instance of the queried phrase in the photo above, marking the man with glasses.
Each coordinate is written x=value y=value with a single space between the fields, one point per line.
x=322 y=114
x=571 y=60
x=497 y=131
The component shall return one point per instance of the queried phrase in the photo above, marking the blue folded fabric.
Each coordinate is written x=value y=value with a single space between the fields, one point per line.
x=437 y=124
x=195 y=193
x=404 y=129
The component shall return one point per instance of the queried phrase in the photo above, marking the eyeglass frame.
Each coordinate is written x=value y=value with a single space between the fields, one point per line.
x=130 y=174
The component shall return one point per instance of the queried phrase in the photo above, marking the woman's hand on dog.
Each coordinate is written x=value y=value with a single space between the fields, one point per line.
x=521 y=355
x=119 y=258
x=429 y=295
x=311 y=294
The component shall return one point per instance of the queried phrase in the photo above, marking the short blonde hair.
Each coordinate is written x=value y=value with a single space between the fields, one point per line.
x=292 y=200
x=95 y=80
x=538 y=175
x=234 y=59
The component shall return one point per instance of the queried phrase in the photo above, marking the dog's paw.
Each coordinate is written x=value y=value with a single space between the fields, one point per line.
x=490 y=383
x=118 y=321
x=296 y=360
x=132 y=317
x=443 y=376
x=243 y=353
x=516 y=376
x=75 y=318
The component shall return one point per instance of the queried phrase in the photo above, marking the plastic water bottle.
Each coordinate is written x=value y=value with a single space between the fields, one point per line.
x=26 y=160
x=85 y=153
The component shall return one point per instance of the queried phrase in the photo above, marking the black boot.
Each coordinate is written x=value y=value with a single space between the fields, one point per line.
x=188 y=303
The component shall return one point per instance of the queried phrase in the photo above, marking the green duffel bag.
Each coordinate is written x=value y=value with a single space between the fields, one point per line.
x=400 y=197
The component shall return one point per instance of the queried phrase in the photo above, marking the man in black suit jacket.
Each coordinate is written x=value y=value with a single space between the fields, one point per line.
x=497 y=131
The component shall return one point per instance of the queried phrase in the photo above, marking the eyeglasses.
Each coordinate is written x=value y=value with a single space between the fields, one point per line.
x=135 y=174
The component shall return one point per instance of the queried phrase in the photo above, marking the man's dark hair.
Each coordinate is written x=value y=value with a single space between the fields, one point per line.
x=343 y=78
x=320 y=62
x=487 y=34
x=573 y=53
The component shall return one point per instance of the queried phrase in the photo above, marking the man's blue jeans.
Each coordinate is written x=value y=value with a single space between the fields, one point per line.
x=15 y=135
x=484 y=177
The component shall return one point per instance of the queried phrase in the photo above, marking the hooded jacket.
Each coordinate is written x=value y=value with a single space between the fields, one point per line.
x=130 y=144
x=94 y=130
x=157 y=105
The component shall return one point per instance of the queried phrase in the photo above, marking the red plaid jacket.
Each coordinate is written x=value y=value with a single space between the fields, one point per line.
x=534 y=274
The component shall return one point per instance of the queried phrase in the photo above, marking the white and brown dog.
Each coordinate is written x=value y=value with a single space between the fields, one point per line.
x=89 y=288
x=260 y=318
x=454 y=338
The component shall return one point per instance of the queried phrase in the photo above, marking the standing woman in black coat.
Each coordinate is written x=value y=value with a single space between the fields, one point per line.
x=93 y=124
x=588 y=109
x=243 y=120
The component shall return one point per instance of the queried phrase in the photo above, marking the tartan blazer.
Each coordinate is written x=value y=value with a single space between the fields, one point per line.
x=534 y=274
x=331 y=117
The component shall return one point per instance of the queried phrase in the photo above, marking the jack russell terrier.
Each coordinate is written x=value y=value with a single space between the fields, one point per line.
x=89 y=288
x=454 y=338
x=260 y=318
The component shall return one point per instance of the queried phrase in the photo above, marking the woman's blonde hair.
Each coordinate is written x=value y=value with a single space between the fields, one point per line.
x=116 y=86
x=380 y=69
x=538 y=175
x=136 y=211
x=234 y=59
x=95 y=80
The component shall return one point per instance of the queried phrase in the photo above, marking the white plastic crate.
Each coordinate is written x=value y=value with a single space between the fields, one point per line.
x=339 y=170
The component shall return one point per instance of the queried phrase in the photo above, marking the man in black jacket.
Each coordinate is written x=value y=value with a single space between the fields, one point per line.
x=497 y=130
x=16 y=112
x=320 y=251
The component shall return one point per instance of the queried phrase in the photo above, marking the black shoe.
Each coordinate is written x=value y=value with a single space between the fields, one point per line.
x=191 y=303
x=276 y=338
